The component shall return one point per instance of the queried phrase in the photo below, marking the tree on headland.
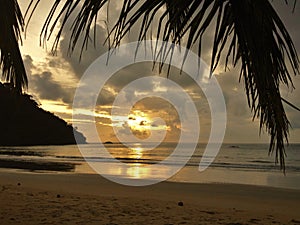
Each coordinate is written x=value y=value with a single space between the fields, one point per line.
x=249 y=33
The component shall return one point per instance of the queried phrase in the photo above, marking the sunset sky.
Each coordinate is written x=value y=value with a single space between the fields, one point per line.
x=54 y=79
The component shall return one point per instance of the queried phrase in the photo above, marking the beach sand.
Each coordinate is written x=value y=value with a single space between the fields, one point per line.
x=28 y=198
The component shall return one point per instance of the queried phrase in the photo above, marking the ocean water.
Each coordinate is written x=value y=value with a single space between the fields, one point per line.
x=235 y=163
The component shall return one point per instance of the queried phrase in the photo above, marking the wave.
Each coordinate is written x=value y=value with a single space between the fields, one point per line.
x=257 y=165
x=246 y=157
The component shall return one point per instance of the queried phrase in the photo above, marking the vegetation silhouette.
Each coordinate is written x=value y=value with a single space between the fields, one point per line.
x=250 y=33
x=24 y=123
x=11 y=62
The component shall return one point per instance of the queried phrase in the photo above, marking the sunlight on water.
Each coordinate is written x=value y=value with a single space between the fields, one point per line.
x=239 y=163
x=137 y=152
x=138 y=171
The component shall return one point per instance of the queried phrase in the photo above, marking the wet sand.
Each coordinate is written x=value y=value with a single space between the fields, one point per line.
x=41 y=198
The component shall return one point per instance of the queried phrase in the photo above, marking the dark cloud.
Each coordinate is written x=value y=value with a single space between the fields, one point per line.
x=90 y=52
x=46 y=87
x=43 y=84
x=106 y=97
x=234 y=94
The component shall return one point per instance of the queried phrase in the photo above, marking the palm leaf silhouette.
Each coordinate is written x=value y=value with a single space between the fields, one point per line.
x=11 y=63
x=249 y=31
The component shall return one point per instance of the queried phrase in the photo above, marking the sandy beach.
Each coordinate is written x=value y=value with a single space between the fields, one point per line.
x=36 y=198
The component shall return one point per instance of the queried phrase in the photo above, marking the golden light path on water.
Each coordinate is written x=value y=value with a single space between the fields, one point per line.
x=138 y=152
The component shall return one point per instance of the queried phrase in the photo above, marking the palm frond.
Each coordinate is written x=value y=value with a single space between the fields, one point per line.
x=262 y=43
x=255 y=37
x=11 y=26
x=84 y=20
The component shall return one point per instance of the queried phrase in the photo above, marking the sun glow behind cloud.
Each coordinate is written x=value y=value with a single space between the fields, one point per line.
x=141 y=122
x=65 y=71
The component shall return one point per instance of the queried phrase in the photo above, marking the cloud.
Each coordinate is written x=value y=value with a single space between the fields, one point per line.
x=47 y=88
x=43 y=84
x=82 y=56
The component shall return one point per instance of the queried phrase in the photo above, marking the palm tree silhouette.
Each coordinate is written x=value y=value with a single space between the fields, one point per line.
x=11 y=62
x=249 y=33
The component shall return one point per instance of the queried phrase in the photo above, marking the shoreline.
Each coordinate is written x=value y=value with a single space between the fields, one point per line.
x=188 y=175
x=36 y=165
x=156 y=204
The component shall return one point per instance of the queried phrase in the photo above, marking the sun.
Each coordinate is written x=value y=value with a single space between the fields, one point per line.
x=142 y=124
x=138 y=120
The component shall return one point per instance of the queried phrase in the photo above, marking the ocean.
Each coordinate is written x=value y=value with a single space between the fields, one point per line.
x=235 y=163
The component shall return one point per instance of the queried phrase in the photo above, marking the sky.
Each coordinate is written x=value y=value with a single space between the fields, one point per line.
x=53 y=80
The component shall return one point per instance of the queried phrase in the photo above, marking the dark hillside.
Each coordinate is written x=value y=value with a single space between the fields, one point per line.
x=23 y=122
